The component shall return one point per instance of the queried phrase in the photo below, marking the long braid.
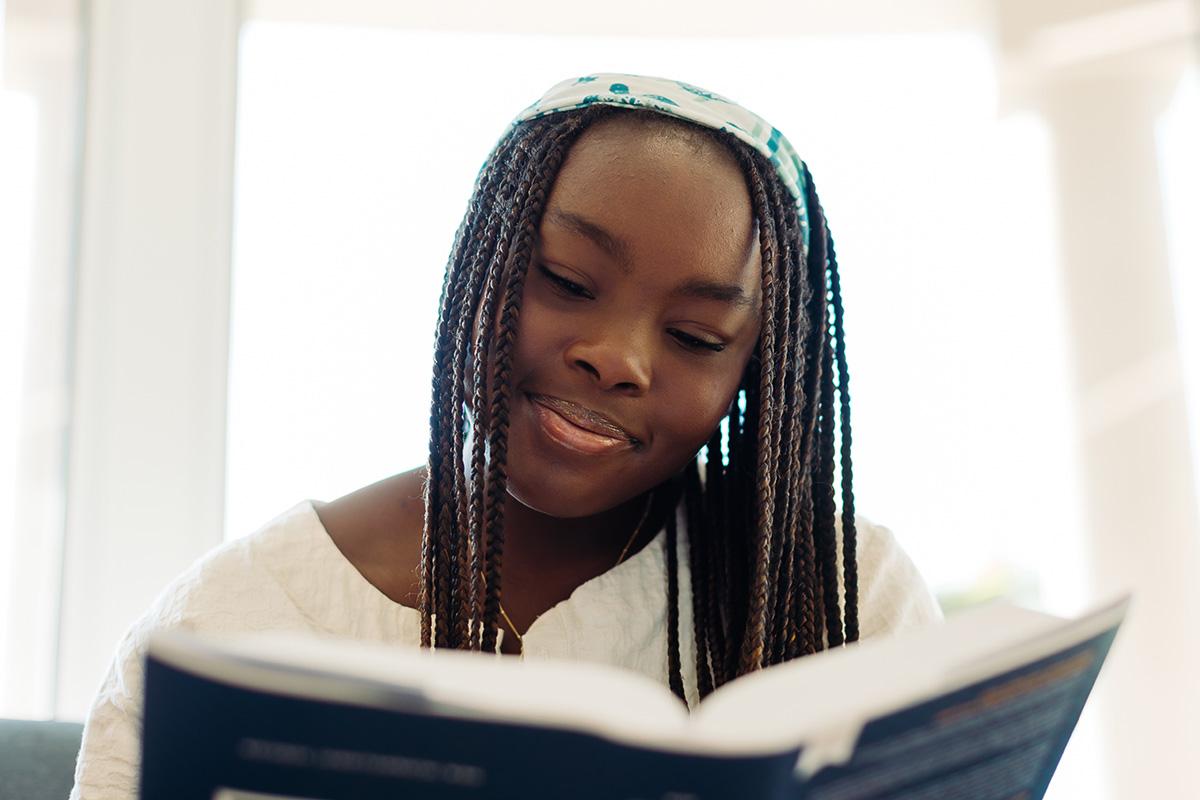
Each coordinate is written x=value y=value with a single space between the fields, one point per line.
x=849 y=537
x=492 y=248
x=725 y=573
x=469 y=514
x=710 y=593
x=804 y=637
x=763 y=530
x=473 y=260
x=445 y=472
x=490 y=398
x=824 y=505
x=445 y=419
x=787 y=318
x=814 y=547
x=698 y=542
x=433 y=493
x=804 y=461
x=535 y=188
x=674 y=670
x=744 y=518
x=469 y=557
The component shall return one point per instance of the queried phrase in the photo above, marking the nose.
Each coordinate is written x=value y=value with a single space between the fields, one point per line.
x=614 y=360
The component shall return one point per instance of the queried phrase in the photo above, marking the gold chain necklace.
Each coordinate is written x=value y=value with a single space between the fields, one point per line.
x=633 y=537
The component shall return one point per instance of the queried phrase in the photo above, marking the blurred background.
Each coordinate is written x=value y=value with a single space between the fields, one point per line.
x=223 y=227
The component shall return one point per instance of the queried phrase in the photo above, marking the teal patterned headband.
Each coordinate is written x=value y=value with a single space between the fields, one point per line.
x=682 y=100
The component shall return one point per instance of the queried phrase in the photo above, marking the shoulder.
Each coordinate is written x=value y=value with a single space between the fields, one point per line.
x=240 y=585
x=378 y=529
x=244 y=582
x=293 y=572
x=892 y=594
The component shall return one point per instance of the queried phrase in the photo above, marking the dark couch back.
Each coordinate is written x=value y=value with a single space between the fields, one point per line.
x=37 y=759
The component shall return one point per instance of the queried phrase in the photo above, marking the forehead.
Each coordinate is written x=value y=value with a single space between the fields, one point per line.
x=675 y=201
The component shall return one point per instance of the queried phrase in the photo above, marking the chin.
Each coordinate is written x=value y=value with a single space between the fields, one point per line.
x=554 y=499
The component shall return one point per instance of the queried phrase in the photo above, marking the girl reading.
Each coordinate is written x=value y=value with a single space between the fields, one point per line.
x=640 y=430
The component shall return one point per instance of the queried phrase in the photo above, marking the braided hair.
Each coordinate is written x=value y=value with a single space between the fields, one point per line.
x=759 y=498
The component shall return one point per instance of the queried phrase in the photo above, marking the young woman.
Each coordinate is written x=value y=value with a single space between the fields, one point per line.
x=640 y=411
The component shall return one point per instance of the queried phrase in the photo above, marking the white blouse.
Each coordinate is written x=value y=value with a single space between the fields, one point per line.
x=290 y=576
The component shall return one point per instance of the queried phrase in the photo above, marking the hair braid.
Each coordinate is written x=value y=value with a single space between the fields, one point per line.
x=698 y=541
x=674 y=670
x=824 y=505
x=849 y=538
x=489 y=403
x=468 y=556
x=788 y=317
x=451 y=537
x=754 y=644
x=493 y=246
x=814 y=547
x=709 y=594
x=535 y=187
x=443 y=430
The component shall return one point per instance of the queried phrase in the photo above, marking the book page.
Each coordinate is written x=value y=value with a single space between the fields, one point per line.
x=824 y=699
x=1000 y=737
x=600 y=699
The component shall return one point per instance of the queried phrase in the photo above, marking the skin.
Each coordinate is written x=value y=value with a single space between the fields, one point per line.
x=638 y=212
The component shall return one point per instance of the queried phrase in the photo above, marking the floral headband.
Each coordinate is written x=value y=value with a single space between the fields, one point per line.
x=682 y=100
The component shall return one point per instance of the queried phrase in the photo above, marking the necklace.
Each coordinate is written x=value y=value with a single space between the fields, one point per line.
x=632 y=538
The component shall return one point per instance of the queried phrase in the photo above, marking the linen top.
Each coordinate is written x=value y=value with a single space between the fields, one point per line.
x=290 y=576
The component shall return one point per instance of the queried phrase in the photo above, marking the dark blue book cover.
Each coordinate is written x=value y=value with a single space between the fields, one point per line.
x=997 y=739
x=200 y=736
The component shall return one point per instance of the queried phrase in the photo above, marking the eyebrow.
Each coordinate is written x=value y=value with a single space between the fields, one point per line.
x=615 y=247
x=710 y=290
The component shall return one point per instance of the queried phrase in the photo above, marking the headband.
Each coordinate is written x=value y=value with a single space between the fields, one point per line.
x=691 y=103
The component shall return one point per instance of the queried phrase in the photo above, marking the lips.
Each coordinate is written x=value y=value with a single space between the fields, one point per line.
x=580 y=428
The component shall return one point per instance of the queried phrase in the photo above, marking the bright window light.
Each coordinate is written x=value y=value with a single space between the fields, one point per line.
x=1178 y=132
x=18 y=151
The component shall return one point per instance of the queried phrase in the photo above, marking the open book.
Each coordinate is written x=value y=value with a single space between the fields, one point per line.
x=980 y=707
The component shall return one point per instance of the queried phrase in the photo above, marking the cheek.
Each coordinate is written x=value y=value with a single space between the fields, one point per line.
x=692 y=407
x=693 y=413
x=541 y=336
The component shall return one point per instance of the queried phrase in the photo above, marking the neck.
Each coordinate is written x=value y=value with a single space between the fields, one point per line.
x=546 y=558
x=536 y=543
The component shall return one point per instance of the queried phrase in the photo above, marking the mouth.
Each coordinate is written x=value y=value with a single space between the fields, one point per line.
x=580 y=428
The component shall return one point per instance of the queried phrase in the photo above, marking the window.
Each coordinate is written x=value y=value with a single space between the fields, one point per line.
x=1178 y=131
x=39 y=138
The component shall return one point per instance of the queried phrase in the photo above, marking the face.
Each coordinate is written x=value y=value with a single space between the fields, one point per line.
x=640 y=312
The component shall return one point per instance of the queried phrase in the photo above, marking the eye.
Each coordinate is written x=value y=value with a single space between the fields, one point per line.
x=563 y=285
x=696 y=343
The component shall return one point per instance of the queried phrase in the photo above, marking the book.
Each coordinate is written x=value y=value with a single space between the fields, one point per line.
x=979 y=707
